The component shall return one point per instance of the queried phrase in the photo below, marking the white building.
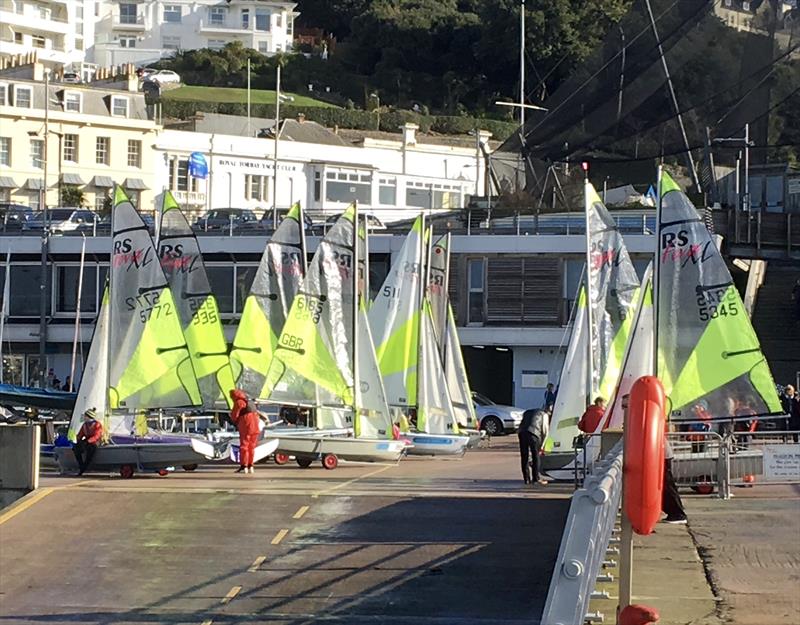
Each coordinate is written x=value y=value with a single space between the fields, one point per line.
x=60 y=31
x=391 y=178
x=143 y=31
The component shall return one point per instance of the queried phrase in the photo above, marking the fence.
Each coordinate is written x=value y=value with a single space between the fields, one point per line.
x=585 y=541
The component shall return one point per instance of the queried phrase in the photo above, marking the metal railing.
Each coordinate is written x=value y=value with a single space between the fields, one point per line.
x=585 y=541
x=700 y=462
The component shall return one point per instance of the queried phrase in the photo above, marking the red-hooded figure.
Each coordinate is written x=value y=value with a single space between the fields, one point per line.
x=245 y=417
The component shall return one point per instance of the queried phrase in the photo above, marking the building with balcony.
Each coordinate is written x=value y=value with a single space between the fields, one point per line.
x=143 y=32
x=91 y=136
x=60 y=31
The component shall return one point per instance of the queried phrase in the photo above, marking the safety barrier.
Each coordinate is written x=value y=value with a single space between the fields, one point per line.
x=700 y=462
x=584 y=543
x=763 y=457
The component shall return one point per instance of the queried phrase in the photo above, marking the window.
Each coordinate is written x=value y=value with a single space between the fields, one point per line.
x=134 y=153
x=5 y=151
x=317 y=186
x=18 y=38
x=262 y=19
x=72 y=101
x=67 y=289
x=216 y=44
x=37 y=41
x=102 y=150
x=245 y=274
x=100 y=201
x=345 y=185
x=44 y=12
x=246 y=19
x=418 y=195
x=427 y=195
x=23 y=97
x=263 y=47
x=97 y=9
x=33 y=200
x=3 y=95
x=172 y=13
x=279 y=20
x=179 y=179
x=387 y=191
x=256 y=187
x=216 y=15
x=171 y=43
x=70 y=144
x=119 y=106
x=5 y=195
x=79 y=12
x=37 y=153
x=221 y=280
x=289 y=25
x=23 y=300
x=475 y=276
x=127 y=42
x=127 y=13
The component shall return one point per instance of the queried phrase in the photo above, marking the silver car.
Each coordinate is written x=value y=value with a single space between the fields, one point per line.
x=494 y=418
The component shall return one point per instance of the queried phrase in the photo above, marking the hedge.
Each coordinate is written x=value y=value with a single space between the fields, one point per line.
x=389 y=121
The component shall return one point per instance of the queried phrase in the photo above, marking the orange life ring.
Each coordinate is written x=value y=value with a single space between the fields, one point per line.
x=644 y=454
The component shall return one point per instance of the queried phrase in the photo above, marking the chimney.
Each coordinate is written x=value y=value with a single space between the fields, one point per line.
x=301 y=118
x=409 y=134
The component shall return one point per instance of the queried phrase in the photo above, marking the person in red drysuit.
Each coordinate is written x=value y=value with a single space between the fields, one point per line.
x=593 y=416
x=86 y=441
x=245 y=417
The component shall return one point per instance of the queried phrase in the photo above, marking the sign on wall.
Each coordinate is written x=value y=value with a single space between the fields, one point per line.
x=534 y=379
x=198 y=166
x=782 y=462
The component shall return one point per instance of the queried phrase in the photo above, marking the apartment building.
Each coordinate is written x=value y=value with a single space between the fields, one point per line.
x=142 y=32
x=60 y=31
x=91 y=136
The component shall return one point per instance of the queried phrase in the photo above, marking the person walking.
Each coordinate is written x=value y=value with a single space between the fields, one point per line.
x=244 y=416
x=790 y=402
x=89 y=436
x=671 y=503
x=533 y=429
x=593 y=416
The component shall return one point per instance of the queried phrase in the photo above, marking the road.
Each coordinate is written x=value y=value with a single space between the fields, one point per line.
x=428 y=541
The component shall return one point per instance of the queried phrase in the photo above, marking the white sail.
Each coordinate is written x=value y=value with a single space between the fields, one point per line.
x=456 y=375
x=435 y=413
x=374 y=420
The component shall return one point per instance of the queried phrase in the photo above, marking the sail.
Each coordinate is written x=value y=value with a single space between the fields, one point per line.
x=315 y=345
x=438 y=266
x=374 y=420
x=92 y=390
x=456 y=375
x=638 y=358
x=707 y=348
x=571 y=398
x=197 y=307
x=275 y=285
x=613 y=289
x=149 y=362
x=394 y=321
x=435 y=413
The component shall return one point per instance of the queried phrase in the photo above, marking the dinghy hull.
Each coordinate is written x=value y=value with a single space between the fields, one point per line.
x=353 y=449
x=436 y=444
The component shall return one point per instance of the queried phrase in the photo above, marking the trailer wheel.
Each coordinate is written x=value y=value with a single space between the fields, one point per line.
x=126 y=471
x=189 y=467
x=163 y=472
x=304 y=462
x=281 y=458
x=703 y=488
x=330 y=461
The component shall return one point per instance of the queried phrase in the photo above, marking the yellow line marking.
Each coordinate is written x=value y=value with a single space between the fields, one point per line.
x=279 y=536
x=355 y=479
x=24 y=504
x=256 y=563
x=231 y=594
x=300 y=512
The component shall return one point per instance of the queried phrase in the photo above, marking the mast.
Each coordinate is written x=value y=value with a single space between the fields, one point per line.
x=423 y=287
x=356 y=384
x=521 y=69
x=590 y=329
x=657 y=270
x=107 y=404
x=4 y=312
x=77 y=315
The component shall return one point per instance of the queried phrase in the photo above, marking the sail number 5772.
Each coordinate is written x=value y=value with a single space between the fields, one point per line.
x=149 y=306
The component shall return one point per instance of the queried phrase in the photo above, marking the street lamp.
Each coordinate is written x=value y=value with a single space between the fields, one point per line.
x=374 y=96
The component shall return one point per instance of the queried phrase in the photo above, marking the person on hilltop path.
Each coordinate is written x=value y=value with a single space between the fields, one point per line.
x=88 y=438
x=593 y=416
x=532 y=431
x=244 y=416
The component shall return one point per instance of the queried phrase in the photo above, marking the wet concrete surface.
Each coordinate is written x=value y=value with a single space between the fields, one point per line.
x=428 y=541
x=751 y=547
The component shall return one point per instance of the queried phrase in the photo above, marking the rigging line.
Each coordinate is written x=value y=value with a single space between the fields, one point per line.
x=640 y=34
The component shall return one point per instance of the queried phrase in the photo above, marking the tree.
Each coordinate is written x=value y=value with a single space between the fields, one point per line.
x=72 y=195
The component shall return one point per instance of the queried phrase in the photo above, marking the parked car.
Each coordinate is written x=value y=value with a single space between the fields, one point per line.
x=13 y=216
x=104 y=223
x=264 y=225
x=62 y=220
x=144 y=72
x=374 y=222
x=163 y=76
x=495 y=418
x=73 y=78
x=221 y=219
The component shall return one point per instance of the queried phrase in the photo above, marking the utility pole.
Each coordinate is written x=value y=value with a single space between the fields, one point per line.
x=277 y=128
x=43 y=284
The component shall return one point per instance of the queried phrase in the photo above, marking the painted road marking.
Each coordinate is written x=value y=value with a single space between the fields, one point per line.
x=279 y=536
x=231 y=594
x=24 y=504
x=353 y=481
x=256 y=563
x=300 y=512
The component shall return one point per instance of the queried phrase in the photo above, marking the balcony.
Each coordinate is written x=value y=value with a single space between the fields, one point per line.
x=31 y=20
x=129 y=23
x=228 y=27
x=190 y=198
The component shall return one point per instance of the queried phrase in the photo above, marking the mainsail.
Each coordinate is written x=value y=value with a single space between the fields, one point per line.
x=197 y=307
x=435 y=413
x=149 y=363
x=275 y=285
x=707 y=348
x=438 y=267
x=394 y=319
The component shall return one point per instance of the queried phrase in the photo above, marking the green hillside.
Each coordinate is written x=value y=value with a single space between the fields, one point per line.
x=238 y=96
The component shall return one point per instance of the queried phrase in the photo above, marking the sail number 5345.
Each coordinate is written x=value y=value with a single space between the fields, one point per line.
x=717 y=303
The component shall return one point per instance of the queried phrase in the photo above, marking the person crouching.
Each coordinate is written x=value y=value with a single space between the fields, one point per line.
x=89 y=436
x=244 y=416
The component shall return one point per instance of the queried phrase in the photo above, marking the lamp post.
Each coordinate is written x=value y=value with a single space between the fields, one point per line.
x=275 y=156
x=43 y=291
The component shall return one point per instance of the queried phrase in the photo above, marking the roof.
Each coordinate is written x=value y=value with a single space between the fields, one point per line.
x=462 y=141
x=291 y=129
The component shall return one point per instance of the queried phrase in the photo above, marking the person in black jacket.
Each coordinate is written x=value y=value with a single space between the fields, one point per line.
x=532 y=431
x=790 y=402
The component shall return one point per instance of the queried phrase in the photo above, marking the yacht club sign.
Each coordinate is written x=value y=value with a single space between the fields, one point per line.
x=252 y=165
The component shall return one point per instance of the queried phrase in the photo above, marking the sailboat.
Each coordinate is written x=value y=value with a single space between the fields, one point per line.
x=602 y=322
x=196 y=306
x=138 y=360
x=325 y=357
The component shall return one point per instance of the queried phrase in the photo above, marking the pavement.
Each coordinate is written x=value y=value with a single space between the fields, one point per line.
x=424 y=542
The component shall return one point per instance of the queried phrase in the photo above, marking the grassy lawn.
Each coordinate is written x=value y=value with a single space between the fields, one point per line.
x=226 y=94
